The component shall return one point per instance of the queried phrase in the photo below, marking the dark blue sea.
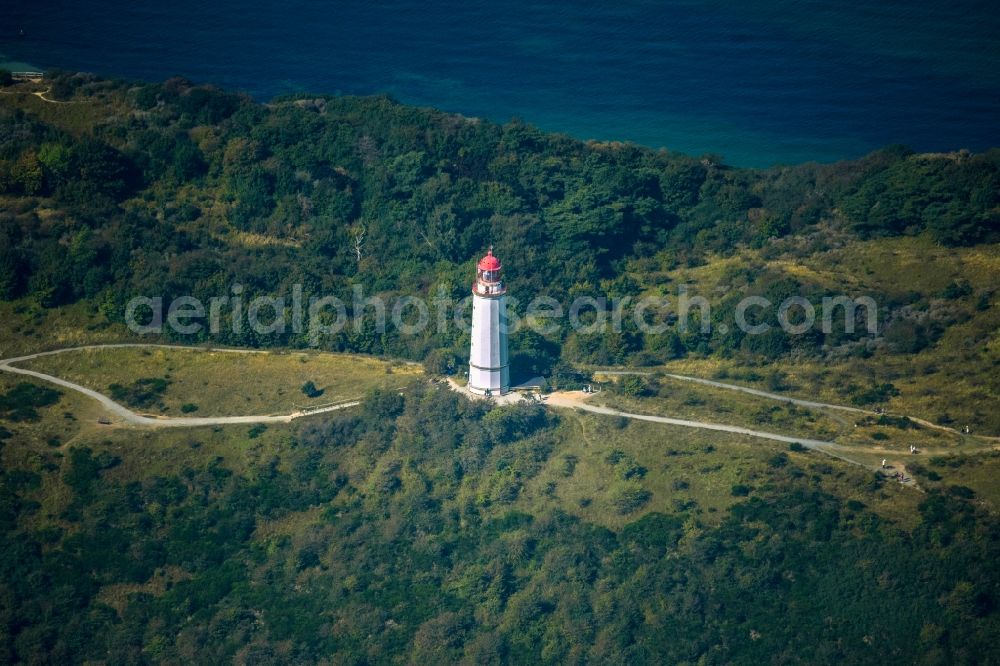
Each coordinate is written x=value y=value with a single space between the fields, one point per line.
x=777 y=81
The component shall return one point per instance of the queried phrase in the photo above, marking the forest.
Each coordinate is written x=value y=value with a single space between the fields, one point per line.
x=426 y=528
x=180 y=189
x=425 y=559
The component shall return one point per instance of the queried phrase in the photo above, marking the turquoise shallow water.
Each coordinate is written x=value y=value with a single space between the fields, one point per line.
x=759 y=83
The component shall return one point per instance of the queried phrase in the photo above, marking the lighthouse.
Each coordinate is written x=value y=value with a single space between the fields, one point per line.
x=489 y=373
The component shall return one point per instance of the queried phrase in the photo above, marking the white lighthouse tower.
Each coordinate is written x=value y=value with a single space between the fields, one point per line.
x=489 y=373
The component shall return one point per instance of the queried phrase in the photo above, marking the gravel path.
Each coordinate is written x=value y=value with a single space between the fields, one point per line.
x=767 y=394
x=575 y=400
x=130 y=417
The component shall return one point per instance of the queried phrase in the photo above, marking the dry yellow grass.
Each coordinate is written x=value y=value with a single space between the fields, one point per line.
x=250 y=239
x=708 y=463
x=39 y=445
x=910 y=263
x=118 y=595
x=684 y=466
x=78 y=117
x=28 y=327
x=686 y=400
x=227 y=383
x=932 y=386
x=952 y=380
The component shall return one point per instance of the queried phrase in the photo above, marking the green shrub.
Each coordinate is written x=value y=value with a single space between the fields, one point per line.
x=778 y=460
x=85 y=468
x=309 y=388
x=628 y=496
x=142 y=393
x=21 y=403
x=442 y=362
x=875 y=394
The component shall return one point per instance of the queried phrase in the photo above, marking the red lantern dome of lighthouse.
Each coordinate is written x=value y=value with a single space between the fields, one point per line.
x=488 y=282
x=489 y=262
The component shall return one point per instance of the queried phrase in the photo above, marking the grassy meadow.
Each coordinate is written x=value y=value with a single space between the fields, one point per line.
x=221 y=383
x=29 y=327
x=953 y=381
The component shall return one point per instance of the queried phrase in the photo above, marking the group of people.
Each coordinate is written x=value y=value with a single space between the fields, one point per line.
x=899 y=476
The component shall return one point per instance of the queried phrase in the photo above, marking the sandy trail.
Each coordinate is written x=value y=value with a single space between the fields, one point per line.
x=564 y=399
x=132 y=418
x=40 y=94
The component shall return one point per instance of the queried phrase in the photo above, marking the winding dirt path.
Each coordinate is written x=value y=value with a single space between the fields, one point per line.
x=800 y=402
x=132 y=418
x=767 y=394
x=565 y=399
x=40 y=94
x=576 y=400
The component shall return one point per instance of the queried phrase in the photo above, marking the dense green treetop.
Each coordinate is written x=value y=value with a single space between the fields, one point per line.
x=179 y=189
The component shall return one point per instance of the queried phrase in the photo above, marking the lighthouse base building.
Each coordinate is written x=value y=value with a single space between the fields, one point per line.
x=489 y=371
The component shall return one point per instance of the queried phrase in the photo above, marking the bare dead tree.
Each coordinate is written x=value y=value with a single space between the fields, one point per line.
x=367 y=149
x=358 y=236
